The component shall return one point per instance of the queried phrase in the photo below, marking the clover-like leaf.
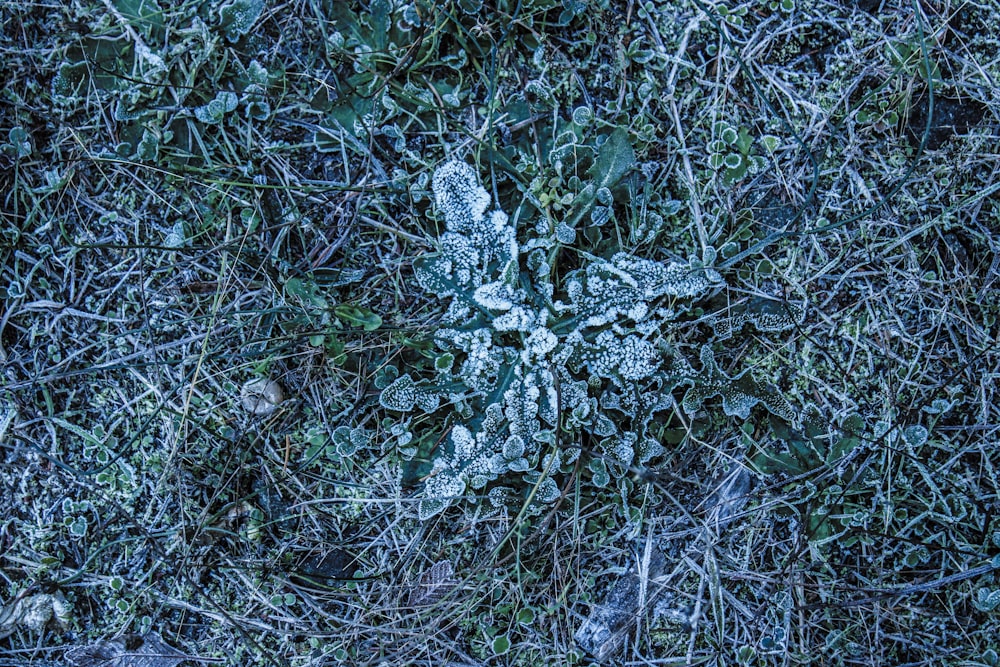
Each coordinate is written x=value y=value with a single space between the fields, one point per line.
x=349 y=440
x=215 y=111
x=404 y=394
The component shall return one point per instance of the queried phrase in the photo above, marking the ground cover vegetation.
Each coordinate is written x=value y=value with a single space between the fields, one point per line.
x=499 y=332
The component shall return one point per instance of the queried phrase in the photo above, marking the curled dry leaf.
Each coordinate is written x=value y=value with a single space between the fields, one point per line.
x=34 y=612
x=261 y=397
x=147 y=650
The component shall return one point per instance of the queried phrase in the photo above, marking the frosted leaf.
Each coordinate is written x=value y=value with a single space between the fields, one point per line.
x=537 y=346
x=403 y=394
x=176 y=237
x=440 y=490
x=599 y=215
x=629 y=358
x=497 y=465
x=518 y=465
x=603 y=426
x=581 y=413
x=427 y=400
x=574 y=402
x=460 y=248
x=34 y=612
x=767 y=315
x=914 y=435
x=348 y=440
x=600 y=476
x=607 y=291
x=547 y=491
x=480 y=481
x=521 y=408
x=565 y=234
x=257 y=73
x=465 y=254
x=493 y=420
x=513 y=448
x=464 y=442
x=434 y=584
x=501 y=496
x=400 y=395
x=434 y=274
x=548 y=400
x=739 y=394
x=938 y=406
x=482 y=365
x=517 y=318
x=132 y=650
x=405 y=445
x=215 y=111
x=499 y=220
x=648 y=449
x=641 y=405
x=656 y=279
x=621 y=448
x=495 y=296
x=239 y=16
x=458 y=313
x=459 y=196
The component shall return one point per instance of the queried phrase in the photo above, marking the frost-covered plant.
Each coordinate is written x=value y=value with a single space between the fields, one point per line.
x=530 y=365
x=239 y=16
x=215 y=111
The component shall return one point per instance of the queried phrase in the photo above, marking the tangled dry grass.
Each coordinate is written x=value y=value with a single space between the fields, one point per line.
x=154 y=262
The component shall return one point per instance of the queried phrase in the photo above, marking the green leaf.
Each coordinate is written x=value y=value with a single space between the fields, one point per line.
x=600 y=477
x=357 y=316
x=141 y=13
x=334 y=349
x=851 y=438
x=306 y=291
x=614 y=159
x=915 y=435
x=380 y=22
x=20 y=144
x=79 y=527
x=239 y=16
x=501 y=644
